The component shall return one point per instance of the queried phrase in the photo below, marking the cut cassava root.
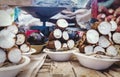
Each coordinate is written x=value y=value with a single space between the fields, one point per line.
x=56 y=34
x=56 y=44
x=116 y=37
x=62 y=23
x=3 y=57
x=25 y=47
x=104 y=42
x=104 y=28
x=92 y=36
x=21 y=38
x=14 y=55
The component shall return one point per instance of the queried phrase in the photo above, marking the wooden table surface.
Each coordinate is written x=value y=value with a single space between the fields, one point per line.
x=74 y=69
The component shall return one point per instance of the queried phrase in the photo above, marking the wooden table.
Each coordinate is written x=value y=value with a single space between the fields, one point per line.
x=74 y=69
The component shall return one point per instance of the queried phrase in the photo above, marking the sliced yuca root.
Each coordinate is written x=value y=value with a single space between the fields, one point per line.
x=5 y=18
x=3 y=57
x=88 y=49
x=57 y=44
x=7 y=33
x=62 y=23
x=7 y=42
x=14 y=55
x=64 y=46
x=54 y=45
x=92 y=36
x=13 y=29
x=104 y=42
x=111 y=51
x=104 y=28
x=70 y=44
x=116 y=38
x=56 y=34
x=114 y=25
x=99 y=50
x=20 y=38
x=25 y=48
x=65 y=35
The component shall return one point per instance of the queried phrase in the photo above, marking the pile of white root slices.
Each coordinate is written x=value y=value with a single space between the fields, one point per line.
x=12 y=43
x=101 y=39
x=59 y=38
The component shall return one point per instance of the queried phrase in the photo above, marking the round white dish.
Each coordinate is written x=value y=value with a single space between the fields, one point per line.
x=94 y=62
x=59 y=55
x=12 y=71
x=30 y=52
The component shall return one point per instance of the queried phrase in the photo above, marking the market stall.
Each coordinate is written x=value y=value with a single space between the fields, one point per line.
x=61 y=40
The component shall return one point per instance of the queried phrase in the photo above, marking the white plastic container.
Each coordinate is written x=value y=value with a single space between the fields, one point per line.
x=59 y=55
x=12 y=71
x=93 y=62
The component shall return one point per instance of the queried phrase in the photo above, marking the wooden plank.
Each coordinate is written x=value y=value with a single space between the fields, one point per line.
x=81 y=71
x=114 y=73
x=62 y=69
x=45 y=69
x=74 y=69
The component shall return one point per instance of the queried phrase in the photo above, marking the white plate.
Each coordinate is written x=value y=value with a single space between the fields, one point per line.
x=59 y=55
x=30 y=52
x=12 y=71
x=94 y=62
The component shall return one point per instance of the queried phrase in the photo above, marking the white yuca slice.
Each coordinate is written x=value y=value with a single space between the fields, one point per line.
x=5 y=18
x=104 y=28
x=114 y=25
x=14 y=55
x=65 y=35
x=111 y=51
x=88 y=49
x=62 y=23
x=13 y=29
x=70 y=44
x=99 y=49
x=7 y=33
x=104 y=42
x=57 y=33
x=3 y=57
x=25 y=48
x=92 y=36
x=57 y=44
x=116 y=37
x=7 y=42
x=20 y=38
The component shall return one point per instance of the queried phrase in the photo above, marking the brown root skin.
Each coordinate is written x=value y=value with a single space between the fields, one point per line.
x=111 y=11
x=118 y=29
x=118 y=20
x=101 y=17
x=50 y=45
x=95 y=25
x=81 y=48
